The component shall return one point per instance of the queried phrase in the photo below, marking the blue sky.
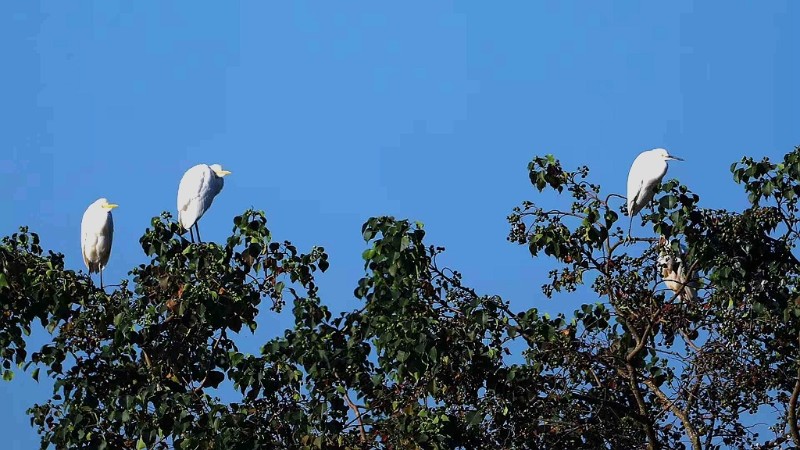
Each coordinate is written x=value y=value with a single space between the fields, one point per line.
x=328 y=113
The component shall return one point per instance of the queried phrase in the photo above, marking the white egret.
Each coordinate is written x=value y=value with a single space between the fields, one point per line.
x=197 y=190
x=644 y=177
x=675 y=273
x=97 y=231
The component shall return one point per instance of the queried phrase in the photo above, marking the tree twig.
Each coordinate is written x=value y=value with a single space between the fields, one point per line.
x=642 y=342
x=793 y=411
x=688 y=341
x=679 y=413
x=652 y=439
x=361 y=428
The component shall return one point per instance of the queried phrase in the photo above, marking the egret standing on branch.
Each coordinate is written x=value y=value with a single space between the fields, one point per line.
x=97 y=231
x=197 y=190
x=646 y=173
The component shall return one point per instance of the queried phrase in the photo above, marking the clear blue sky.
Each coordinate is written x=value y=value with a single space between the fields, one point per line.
x=328 y=113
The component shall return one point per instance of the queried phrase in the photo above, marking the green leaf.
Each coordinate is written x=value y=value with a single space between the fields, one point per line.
x=474 y=417
x=668 y=201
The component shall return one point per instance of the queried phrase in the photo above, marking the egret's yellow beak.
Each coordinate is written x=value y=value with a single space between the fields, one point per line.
x=112 y=206
x=222 y=173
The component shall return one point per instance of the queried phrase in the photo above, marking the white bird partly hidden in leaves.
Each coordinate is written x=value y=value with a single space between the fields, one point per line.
x=674 y=272
x=197 y=190
x=644 y=177
x=97 y=231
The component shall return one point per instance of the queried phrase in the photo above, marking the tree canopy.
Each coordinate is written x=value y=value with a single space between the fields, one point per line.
x=427 y=361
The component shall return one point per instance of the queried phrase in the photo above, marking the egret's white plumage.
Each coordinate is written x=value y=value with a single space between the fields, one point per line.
x=674 y=272
x=97 y=232
x=197 y=190
x=644 y=177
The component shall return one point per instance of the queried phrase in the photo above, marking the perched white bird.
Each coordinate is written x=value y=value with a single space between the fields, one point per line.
x=644 y=177
x=675 y=273
x=97 y=231
x=197 y=190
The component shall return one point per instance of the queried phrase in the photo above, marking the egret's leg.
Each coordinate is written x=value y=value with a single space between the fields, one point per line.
x=630 y=225
x=629 y=239
x=191 y=234
x=197 y=228
x=101 y=278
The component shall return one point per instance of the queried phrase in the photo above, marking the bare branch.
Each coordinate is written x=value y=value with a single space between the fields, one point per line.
x=362 y=430
x=679 y=413
x=793 y=411
x=652 y=439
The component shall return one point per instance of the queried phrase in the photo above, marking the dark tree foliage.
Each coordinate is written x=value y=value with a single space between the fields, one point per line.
x=427 y=361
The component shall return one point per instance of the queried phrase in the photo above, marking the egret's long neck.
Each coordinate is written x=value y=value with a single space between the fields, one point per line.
x=216 y=183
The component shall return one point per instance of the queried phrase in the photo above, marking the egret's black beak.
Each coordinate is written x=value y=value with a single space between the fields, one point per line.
x=675 y=158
